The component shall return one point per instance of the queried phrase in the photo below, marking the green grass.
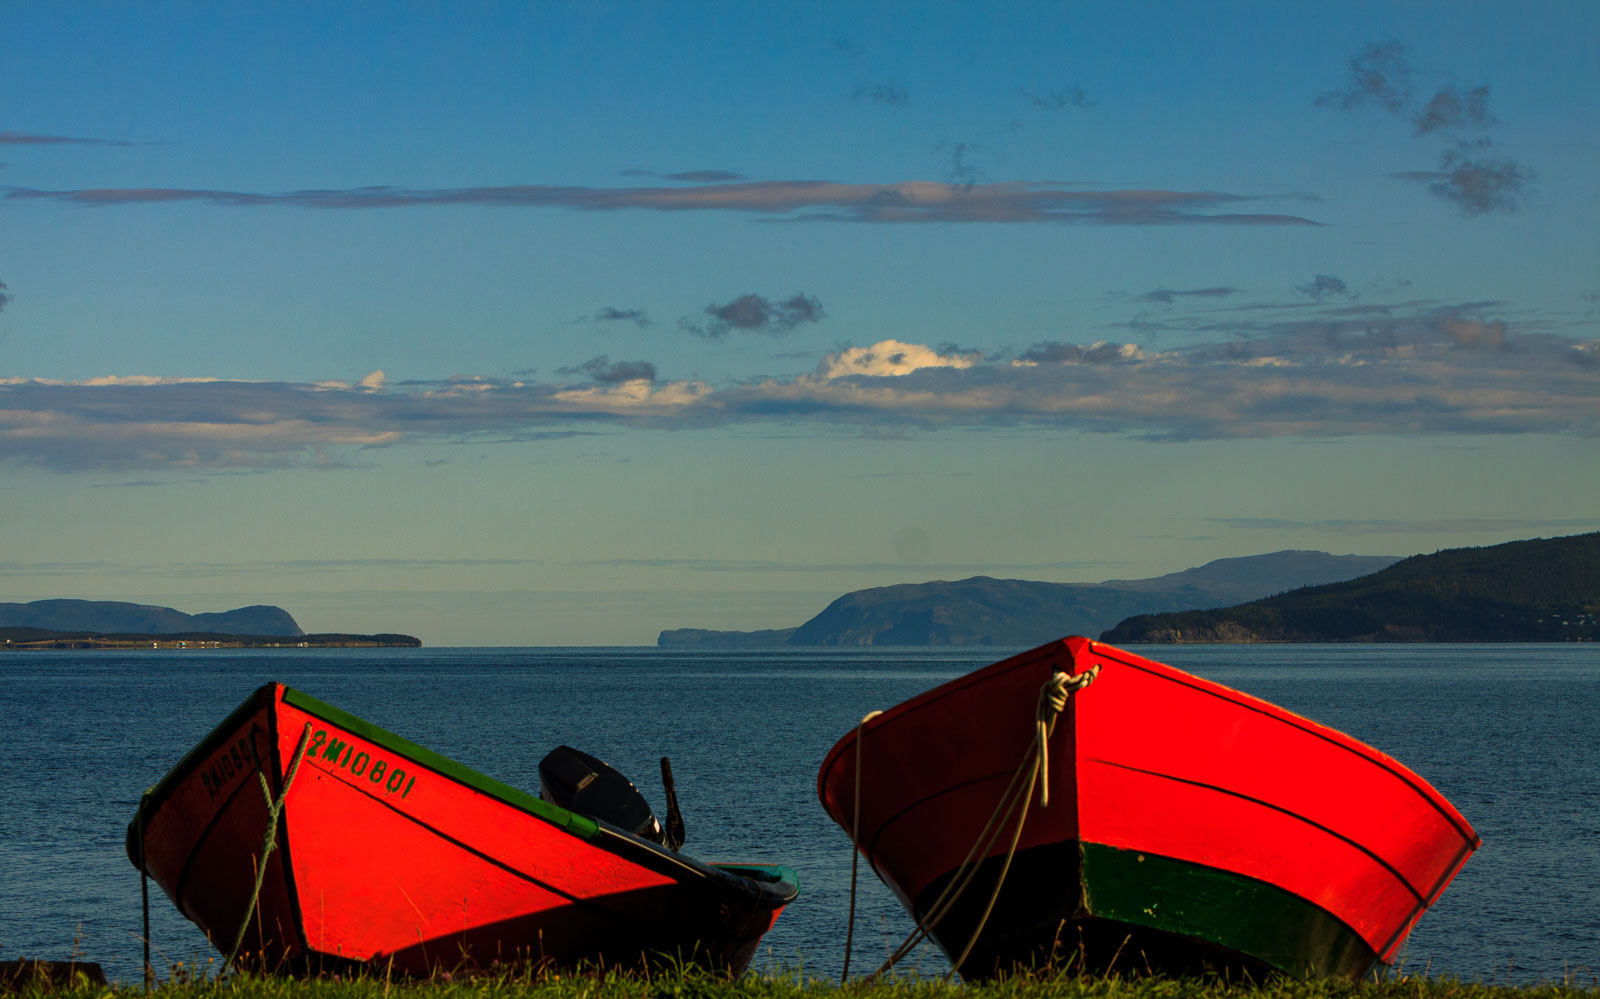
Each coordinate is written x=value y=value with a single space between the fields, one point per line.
x=688 y=983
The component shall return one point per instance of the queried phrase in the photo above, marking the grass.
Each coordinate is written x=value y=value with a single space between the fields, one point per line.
x=691 y=983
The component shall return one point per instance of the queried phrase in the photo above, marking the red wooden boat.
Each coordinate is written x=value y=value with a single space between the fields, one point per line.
x=390 y=855
x=1189 y=827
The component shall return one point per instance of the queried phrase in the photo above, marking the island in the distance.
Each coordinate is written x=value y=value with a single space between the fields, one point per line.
x=19 y=639
x=116 y=624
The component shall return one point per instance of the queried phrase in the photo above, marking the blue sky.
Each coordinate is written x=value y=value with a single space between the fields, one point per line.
x=567 y=323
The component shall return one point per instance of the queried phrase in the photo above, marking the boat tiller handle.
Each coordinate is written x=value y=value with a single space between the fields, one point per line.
x=674 y=823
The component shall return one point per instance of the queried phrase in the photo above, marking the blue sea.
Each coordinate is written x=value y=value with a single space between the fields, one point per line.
x=1507 y=733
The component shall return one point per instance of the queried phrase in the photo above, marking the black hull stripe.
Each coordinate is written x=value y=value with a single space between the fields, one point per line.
x=1403 y=775
x=586 y=903
x=1280 y=809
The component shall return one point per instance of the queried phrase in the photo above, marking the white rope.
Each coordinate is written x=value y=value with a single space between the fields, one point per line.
x=269 y=843
x=1052 y=701
x=1053 y=696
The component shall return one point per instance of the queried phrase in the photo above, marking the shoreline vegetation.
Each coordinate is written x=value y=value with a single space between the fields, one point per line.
x=1545 y=590
x=83 y=981
x=34 y=639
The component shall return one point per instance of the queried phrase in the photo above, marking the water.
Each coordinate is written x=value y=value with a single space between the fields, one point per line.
x=1505 y=732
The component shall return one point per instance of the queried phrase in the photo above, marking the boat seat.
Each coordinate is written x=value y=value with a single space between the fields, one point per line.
x=580 y=783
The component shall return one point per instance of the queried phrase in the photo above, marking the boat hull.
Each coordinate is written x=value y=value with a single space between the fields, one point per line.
x=1190 y=827
x=390 y=855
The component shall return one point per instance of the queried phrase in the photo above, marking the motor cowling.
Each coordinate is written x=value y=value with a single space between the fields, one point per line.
x=580 y=783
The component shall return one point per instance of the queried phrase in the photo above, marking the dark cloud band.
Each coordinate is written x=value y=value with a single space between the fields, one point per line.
x=796 y=200
x=1343 y=372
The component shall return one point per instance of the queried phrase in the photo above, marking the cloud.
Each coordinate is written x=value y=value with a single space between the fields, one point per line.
x=611 y=314
x=1379 y=75
x=1480 y=185
x=24 y=139
x=755 y=314
x=1446 y=525
x=890 y=359
x=1059 y=100
x=1451 y=110
x=891 y=94
x=783 y=200
x=706 y=176
x=1470 y=175
x=959 y=172
x=1402 y=371
x=1324 y=285
x=1055 y=352
x=1473 y=334
x=603 y=371
x=1167 y=296
x=688 y=176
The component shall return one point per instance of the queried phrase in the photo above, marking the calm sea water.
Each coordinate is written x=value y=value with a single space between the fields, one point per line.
x=1508 y=733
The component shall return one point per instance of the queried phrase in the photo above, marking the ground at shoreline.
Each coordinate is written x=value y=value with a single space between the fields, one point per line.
x=679 y=983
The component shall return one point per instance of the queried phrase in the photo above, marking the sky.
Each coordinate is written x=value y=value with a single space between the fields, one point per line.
x=566 y=323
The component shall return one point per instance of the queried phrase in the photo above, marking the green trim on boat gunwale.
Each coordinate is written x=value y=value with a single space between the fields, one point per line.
x=1233 y=911
x=154 y=794
x=579 y=825
x=574 y=823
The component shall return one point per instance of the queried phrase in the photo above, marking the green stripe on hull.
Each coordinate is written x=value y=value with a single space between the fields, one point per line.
x=1235 y=913
x=579 y=825
x=1097 y=909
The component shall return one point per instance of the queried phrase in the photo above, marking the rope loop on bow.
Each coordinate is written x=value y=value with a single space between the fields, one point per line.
x=1053 y=697
x=1052 y=701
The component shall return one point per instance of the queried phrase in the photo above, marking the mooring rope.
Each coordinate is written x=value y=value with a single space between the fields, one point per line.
x=855 y=854
x=274 y=809
x=1053 y=696
x=1052 y=701
x=144 y=888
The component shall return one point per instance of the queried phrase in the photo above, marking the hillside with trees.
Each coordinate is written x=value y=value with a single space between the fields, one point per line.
x=1544 y=590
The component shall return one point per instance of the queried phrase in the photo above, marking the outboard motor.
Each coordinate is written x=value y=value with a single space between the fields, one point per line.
x=580 y=783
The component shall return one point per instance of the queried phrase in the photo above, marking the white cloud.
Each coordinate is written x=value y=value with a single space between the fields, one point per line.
x=633 y=397
x=888 y=358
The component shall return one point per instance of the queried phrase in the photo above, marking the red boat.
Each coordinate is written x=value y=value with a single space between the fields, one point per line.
x=1189 y=827
x=389 y=855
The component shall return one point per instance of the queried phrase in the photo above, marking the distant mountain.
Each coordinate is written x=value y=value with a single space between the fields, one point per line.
x=1015 y=612
x=117 y=617
x=703 y=638
x=1524 y=591
x=38 y=639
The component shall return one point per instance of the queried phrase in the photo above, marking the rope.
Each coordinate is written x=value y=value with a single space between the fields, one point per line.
x=144 y=890
x=1053 y=696
x=274 y=809
x=855 y=851
x=959 y=881
x=1052 y=701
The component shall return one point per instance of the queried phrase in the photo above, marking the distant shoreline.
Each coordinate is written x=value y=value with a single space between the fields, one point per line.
x=38 y=639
